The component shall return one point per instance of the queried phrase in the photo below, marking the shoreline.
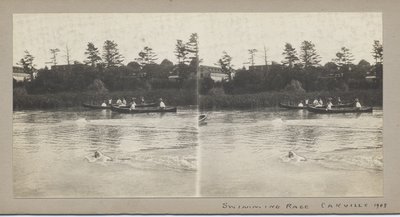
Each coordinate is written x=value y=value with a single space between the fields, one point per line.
x=173 y=97
x=370 y=97
x=177 y=97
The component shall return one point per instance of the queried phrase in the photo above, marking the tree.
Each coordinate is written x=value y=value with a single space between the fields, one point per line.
x=166 y=63
x=146 y=56
x=111 y=55
x=134 y=66
x=364 y=65
x=226 y=66
x=290 y=55
x=377 y=52
x=308 y=54
x=92 y=55
x=192 y=48
x=27 y=64
x=252 y=53
x=54 y=55
x=344 y=57
x=180 y=52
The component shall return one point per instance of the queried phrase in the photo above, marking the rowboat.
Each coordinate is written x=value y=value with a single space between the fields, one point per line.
x=202 y=118
x=143 y=110
x=92 y=106
x=340 y=110
x=287 y=106
x=86 y=105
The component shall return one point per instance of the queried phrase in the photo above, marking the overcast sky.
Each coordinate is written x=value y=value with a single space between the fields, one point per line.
x=234 y=33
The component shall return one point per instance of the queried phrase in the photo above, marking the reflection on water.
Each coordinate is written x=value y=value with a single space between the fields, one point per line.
x=152 y=154
x=245 y=153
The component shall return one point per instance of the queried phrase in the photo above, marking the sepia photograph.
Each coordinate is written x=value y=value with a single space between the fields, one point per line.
x=132 y=105
x=294 y=102
x=105 y=105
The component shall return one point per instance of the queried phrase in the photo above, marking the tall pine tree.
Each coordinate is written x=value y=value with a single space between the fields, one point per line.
x=92 y=55
x=111 y=55
x=308 y=54
x=290 y=56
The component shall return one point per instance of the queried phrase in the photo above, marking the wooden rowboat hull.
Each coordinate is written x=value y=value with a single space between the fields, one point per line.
x=147 y=110
x=202 y=118
x=340 y=110
x=86 y=105
x=95 y=106
x=291 y=106
x=345 y=105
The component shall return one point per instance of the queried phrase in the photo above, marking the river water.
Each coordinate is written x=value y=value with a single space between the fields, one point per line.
x=152 y=154
x=236 y=153
x=245 y=153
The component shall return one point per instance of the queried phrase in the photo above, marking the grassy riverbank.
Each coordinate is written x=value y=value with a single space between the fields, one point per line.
x=172 y=97
x=271 y=99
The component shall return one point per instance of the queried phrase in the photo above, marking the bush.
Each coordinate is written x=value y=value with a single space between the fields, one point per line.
x=97 y=86
x=294 y=86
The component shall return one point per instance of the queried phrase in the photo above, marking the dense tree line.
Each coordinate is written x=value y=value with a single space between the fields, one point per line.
x=107 y=68
x=301 y=72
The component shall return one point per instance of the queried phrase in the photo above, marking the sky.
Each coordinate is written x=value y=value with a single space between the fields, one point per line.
x=234 y=33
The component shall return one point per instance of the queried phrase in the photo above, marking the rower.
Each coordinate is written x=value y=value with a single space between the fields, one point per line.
x=124 y=101
x=315 y=102
x=339 y=102
x=119 y=102
x=109 y=101
x=300 y=104
x=142 y=100
x=306 y=102
x=162 y=105
x=358 y=104
x=320 y=102
x=133 y=105
x=104 y=104
x=329 y=105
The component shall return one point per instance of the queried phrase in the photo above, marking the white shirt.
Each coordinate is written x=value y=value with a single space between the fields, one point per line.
x=133 y=106
x=162 y=105
x=104 y=104
x=329 y=106
x=119 y=102
x=358 y=105
x=306 y=102
x=300 y=105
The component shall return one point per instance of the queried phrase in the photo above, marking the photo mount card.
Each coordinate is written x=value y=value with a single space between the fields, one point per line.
x=269 y=108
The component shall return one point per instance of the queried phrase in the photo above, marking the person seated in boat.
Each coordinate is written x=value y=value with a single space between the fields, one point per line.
x=315 y=102
x=300 y=104
x=357 y=104
x=329 y=105
x=119 y=102
x=104 y=104
x=133 y=105
x=142 y=100
x=109 y=101
x=339 y=101
x=320 y=102
x=306 y=102
x=162 y=104
x=123 y=101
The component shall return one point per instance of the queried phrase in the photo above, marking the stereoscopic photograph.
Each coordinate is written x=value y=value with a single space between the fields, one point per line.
x=177 y=105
